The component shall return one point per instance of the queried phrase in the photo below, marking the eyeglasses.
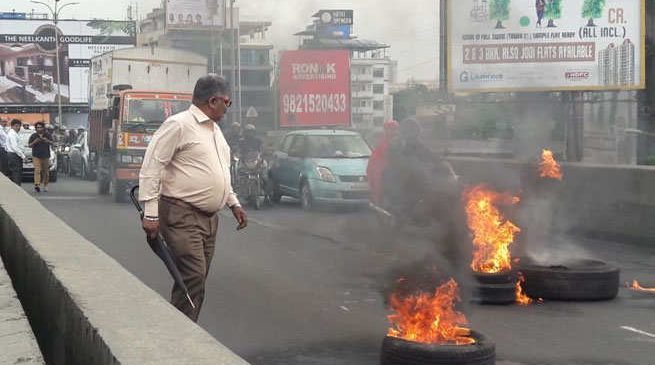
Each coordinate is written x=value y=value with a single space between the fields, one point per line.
x=226 y=100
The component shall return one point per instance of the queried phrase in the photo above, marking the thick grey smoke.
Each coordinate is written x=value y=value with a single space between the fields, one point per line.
x=409 y=28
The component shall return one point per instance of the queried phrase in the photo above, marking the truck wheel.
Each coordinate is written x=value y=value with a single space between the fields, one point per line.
x=119 y=191
x=103 y=185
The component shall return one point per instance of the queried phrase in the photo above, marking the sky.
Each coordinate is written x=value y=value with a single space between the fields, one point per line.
x=410 y=30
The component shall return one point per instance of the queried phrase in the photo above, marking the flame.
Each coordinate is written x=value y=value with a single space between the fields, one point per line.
x=430 y=318
x=492 y=233
x=548 y=167
x=521 y=297
x=636 y=286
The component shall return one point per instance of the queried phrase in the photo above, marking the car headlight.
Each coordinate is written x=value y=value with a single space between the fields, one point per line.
x=67 y=149
x=326 y=174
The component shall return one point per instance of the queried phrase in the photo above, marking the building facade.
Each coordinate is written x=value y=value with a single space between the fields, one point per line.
x=372 y=70
x=247 y=67
x=372 y=75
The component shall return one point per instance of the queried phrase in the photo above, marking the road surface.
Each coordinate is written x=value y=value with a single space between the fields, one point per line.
x=301 y=288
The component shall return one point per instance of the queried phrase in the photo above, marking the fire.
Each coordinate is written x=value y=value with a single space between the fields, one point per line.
x=548 y=167
x=636 y=286
x=430 y=319
x=521 y=298
x=492 y=233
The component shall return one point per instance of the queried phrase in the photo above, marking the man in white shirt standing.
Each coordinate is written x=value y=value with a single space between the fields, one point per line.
x=184 y=182
x=3 y=147
x=15 y=154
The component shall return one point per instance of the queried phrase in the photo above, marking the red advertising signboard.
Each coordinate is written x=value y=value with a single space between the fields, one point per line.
x=315 y=88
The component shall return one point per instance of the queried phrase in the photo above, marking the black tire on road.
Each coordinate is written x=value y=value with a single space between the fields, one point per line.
x=306 y=199
x=575 y=280
x=396 y=351
x=499 y=278
x=495 y=294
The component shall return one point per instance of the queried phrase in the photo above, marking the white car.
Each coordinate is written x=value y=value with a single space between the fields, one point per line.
x=28 y=165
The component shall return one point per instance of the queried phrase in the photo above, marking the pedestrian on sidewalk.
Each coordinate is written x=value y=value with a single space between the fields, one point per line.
x=3 y=148
x=15 y=154
x=40 y=143
x=184 y=182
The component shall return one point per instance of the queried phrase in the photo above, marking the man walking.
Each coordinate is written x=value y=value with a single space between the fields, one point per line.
x=40 y=143
x=15 y=155
x=185 y=181
x=3 y=147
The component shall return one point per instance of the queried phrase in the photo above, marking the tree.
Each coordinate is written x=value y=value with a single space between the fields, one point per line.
x=553 y=11
x=499 y=11
x=593 y=9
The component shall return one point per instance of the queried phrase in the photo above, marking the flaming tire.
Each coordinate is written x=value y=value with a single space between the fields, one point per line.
x=397 y=351
x=499 y=278
x=576 y=280
x=496 y=294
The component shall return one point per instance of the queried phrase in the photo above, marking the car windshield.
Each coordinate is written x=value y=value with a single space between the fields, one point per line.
x=149 y=111
x=336 y=146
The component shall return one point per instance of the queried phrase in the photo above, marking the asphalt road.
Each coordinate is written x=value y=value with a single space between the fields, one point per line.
x=301 y=288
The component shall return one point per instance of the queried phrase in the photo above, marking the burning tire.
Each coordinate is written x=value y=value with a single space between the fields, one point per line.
x=499 y=278
x=499 y=288
x=575 y=280
x=397 y=351
x=498 y=294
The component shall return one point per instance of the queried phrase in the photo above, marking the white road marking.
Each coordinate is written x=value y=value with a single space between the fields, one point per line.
x=635 y=330
x=344 y=308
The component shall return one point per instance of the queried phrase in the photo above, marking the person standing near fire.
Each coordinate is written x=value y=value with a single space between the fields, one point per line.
x=40 y=143
x=185 y=181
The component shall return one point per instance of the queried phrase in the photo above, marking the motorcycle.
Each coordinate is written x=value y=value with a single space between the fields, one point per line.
x=63 y=157
x=250 y=178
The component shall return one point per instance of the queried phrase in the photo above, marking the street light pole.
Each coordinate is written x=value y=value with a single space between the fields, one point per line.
x=55 y=17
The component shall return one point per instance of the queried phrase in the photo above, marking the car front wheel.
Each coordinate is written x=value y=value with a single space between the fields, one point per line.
x=306 y=199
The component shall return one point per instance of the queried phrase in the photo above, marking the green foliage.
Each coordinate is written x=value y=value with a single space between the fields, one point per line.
x=650 y=160
x=593 y=9
x=406 y=101
x=553 y=9
x=499 y=10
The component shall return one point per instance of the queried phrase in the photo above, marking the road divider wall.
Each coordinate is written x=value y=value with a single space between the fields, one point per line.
x=84 y=308
x=601 y=201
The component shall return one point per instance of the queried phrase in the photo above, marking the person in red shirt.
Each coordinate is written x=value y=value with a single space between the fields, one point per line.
x=378 y=162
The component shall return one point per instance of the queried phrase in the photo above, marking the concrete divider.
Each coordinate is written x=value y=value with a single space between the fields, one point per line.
x=605 y=201
x=83 y=306
x=16 y=337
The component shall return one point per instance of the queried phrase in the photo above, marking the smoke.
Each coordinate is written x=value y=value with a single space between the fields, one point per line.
x=411 y=28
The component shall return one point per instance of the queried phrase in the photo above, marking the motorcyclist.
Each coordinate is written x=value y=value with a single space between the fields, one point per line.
x=250 y=142
x=377 y=163
x=421 y=188
x=416 y=176
x=251 y=146
x=233 y=136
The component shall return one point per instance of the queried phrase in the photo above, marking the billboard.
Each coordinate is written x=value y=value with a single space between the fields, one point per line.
x=194 y=14
x=28 y=59
x=314 y=88
x=546 y=45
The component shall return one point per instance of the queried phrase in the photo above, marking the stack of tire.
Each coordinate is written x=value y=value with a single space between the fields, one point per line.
x=572 y=280
x=396 y=351
x=495 y=289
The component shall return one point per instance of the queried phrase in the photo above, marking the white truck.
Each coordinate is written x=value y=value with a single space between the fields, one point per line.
x=132 y=92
